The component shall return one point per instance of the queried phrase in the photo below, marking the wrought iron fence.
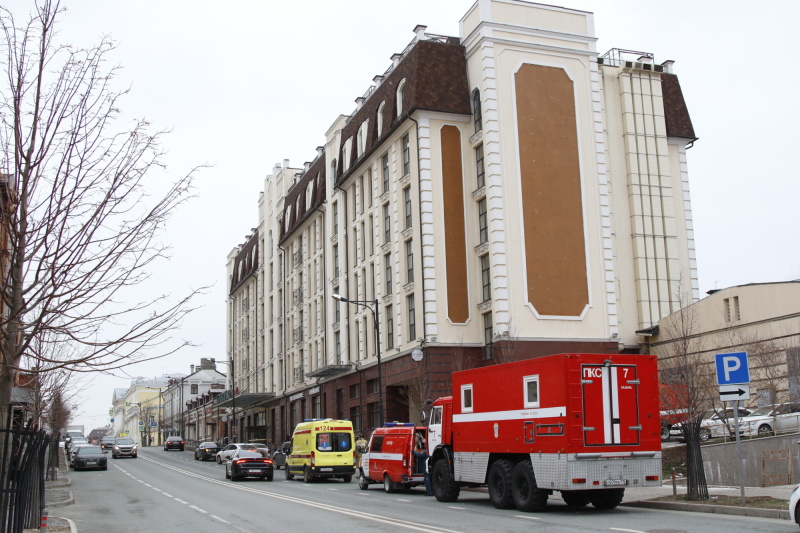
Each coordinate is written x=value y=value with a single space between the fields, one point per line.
x=23 y=450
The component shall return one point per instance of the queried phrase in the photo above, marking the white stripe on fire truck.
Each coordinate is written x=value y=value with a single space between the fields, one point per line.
x=385 y=456
x=545 y=412
x=615 y=403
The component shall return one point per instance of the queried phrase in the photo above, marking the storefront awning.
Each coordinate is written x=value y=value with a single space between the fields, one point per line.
x=245 y=400
x=328 y=371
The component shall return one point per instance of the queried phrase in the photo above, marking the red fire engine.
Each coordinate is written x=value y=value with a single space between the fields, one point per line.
x=389 y=458
x=586 y=425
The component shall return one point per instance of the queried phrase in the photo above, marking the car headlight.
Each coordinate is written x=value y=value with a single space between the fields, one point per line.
x=134 y=448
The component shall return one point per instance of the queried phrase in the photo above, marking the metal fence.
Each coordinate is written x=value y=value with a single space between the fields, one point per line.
x=23 y=450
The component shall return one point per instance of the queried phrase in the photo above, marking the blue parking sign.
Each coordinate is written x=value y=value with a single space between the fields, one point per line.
x=732 y=368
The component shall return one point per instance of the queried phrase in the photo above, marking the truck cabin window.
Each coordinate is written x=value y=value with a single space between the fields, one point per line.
x=436 y=415
x=334 y=442
x=377 y=442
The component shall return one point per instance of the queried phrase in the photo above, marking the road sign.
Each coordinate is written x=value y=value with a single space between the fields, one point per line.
x=730 y=393
x=732 y=368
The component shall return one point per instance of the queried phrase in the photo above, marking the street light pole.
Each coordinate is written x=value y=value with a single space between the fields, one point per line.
x=377 y=320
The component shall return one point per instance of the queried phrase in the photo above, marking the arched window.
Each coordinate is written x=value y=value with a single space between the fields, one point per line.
x=347 y=149
x=401 y=89
x=379 y=118
x=361 y=138
x=333 y=169
x=477 y=115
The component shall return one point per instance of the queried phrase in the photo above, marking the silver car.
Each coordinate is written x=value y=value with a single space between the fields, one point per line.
x=715 y=423
x=772 y=420
x=225 y=453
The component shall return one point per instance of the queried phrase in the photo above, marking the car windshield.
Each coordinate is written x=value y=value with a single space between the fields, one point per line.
x=85 y=450
x=208 y=444
x=248 y=453
x=125 y=441
x=763 y=411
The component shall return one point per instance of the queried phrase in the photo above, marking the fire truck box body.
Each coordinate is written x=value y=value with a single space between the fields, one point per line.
x=390 y=460
x=576 y=423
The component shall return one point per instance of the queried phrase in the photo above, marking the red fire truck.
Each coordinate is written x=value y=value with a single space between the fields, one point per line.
x=389 y=458
x=586 y=425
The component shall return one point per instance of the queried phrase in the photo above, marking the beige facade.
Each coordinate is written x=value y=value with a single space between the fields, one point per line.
x=762 y=319
x=505 y=194
x=137 y=410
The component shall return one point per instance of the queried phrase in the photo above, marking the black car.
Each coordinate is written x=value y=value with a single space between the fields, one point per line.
x=248 y=463
x=87 y=457
x=206 y=450
x=173 y=443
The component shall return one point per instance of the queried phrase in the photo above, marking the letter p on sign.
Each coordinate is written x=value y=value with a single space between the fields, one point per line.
x=732 y=368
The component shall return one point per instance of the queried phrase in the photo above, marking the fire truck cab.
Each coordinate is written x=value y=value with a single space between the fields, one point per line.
x=586 y=425
x=389 y=458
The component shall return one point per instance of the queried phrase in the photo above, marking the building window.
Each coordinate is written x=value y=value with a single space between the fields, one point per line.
x=369 y=188
x=488 y=335
x=479 y=168
x=732 y=313
x=477 y=115
x=374 y=414
x=355 y=391
x=362 y=193
x=385 y=171
x=337 y=308
x=486 y=277
x=380 y=118
x=483 y=223
x=316 y=407
x=401 y=89
x=407 y=203
x=361 y=138
x=335 y=218
x=412 y=317
x=336 y=260
x=193 y=389
x=409 y=261
x=387 y=224
x=337 y=346
x=388 y=270
x=389 y=328
x=372 y=386
x=355 y=417
x=406 y=155
x=466 y=398
x=531 y=390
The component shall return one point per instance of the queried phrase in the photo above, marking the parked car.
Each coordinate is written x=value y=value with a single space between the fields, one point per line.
x=73 y=451
x=174 y=443
x=262 y=448
x=71 y=442
x=107 y=442
x=206 y=450
x=225 y=453
x=714 y=423
x=248 y=463
x=124 y=447
x=772 y=419
x=89 y=457
x=794 y=506
x=279 y=457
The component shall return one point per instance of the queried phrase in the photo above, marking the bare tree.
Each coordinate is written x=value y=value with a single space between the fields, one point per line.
x=81 y=222
x=505 y=345
x=687 y=388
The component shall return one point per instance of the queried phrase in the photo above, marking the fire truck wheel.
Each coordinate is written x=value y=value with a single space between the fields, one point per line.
x=575 y=498
x=499 y=481
x=606 y=498
x=363 y=482
x=389 y=485
x=527 y=497
x=444 y=485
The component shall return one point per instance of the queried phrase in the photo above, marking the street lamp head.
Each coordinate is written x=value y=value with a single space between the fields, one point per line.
x=340 y=298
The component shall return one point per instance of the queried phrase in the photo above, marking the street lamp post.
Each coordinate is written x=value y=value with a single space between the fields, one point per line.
x=233 y=398
x=376 y=319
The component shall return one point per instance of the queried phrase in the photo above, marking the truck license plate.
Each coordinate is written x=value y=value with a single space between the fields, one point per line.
x=615 y=482
x=326 y=469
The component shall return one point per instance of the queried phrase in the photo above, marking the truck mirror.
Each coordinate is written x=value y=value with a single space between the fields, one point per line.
x=423 y=415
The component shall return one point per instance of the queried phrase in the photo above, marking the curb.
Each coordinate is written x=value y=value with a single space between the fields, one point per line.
x=782 y=514
x=62 y=503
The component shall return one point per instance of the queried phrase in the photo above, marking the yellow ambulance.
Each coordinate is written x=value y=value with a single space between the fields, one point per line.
x=322 y=448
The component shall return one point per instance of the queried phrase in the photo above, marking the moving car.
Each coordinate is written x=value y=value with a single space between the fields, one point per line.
x=107 y=442
x=124 y=447
x=225 y=453
x=248 y=463
x=279 y=457
x=715 y=423
x=262 y=448
x=772 y=420
x=174 y=443
x=206 y=450
x=794 y=506
x=89 y=457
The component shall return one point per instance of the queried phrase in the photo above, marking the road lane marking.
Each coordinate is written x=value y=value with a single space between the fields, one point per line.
x=527 y=517
x=180 y=501
x=196 y=508
x=626 y=530
x=218 y=519
x=325 y=507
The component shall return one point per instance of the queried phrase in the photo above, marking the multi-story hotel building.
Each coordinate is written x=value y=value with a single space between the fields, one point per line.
x=505 y=194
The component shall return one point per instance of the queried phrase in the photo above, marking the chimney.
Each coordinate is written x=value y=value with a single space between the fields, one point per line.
x=192 y=369
x=396 y=59
x=420 y=32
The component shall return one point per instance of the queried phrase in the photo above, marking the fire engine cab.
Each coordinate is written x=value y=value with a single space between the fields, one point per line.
x=389 y=458
x=586 y=425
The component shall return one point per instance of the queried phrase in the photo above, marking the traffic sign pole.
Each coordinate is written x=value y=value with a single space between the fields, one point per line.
x=733 y=378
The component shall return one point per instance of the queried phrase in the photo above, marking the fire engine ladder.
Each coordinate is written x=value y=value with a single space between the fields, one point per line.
x=776 y=461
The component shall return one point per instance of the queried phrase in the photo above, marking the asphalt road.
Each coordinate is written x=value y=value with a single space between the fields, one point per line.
x=171 y=492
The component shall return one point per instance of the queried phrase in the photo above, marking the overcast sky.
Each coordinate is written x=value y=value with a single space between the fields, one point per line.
x=246 y=84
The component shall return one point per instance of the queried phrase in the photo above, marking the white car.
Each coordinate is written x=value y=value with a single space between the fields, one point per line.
x=794 y=506
x=225 y=453
x=715 y=423
x=772 y=420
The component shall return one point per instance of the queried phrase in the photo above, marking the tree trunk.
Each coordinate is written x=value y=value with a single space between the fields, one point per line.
x=696 y=486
